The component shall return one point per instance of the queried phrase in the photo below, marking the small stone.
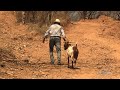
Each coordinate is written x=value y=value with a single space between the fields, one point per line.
x=2 y=65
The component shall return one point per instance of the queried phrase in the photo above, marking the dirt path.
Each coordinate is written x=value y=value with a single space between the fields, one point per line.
x=99 y=56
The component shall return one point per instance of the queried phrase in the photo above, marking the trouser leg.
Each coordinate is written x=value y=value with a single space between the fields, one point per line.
x=58 y=49
x=51 y=46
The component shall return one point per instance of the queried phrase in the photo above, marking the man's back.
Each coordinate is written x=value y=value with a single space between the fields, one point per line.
x=55 y=30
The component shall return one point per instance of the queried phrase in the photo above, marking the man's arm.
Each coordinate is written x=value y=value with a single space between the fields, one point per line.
x=63 y=34
x=46 y=35
x=43 y=39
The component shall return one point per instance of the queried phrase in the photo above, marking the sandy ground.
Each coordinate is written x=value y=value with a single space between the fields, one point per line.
x=24 y=56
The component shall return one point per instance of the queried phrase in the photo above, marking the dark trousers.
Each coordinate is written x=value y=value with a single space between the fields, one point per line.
x=55 y=41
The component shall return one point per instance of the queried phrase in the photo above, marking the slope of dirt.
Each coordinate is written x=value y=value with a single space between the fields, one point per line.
x=24 y=56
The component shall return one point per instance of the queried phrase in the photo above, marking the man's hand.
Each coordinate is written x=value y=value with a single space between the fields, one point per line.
x=64 y=39
x=43 y=39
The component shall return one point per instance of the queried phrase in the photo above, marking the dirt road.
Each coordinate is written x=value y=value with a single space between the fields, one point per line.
x=99 y=56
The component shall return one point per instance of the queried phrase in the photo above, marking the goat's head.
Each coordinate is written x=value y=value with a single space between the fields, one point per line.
x=75 y=51
x=75 y=47
x=66 y=45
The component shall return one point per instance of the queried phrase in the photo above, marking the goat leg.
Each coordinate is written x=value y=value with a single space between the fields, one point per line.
x=68 y=61
x=72 y=64
x=75 y=63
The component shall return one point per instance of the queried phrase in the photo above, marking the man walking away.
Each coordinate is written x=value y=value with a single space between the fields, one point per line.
x=55 y=32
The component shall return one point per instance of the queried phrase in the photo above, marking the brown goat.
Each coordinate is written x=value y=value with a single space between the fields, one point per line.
x=72 y=52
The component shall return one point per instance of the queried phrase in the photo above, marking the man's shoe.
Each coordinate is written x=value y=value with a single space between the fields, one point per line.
x=59 y=64
x=52 y=63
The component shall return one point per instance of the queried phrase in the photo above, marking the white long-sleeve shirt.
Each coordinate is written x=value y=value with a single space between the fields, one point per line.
x=55 y=30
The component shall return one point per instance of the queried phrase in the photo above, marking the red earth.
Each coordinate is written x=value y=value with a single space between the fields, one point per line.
x=24 y=56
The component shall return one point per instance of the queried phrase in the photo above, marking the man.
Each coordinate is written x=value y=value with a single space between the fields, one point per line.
x=55 y=32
